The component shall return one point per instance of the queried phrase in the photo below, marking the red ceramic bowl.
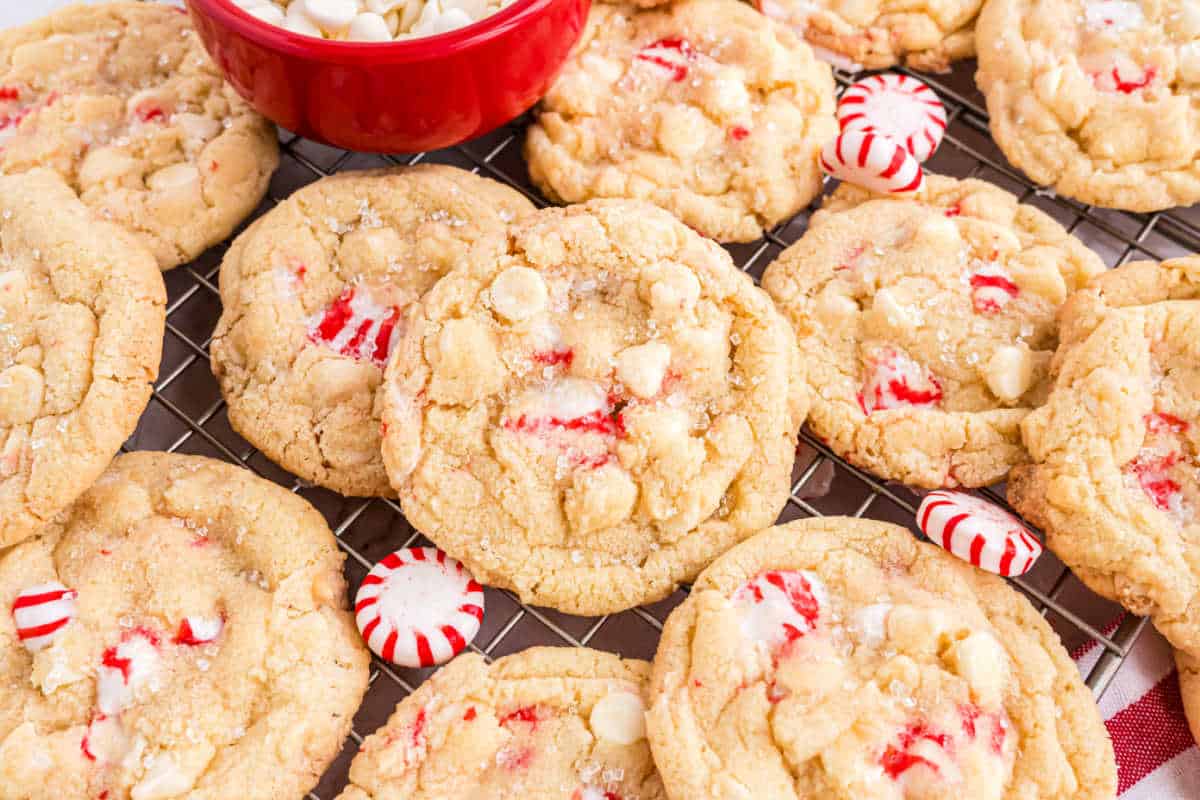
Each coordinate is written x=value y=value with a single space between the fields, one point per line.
x=394 y=97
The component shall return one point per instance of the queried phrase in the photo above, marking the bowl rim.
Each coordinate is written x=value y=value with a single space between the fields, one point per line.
x=517 y=14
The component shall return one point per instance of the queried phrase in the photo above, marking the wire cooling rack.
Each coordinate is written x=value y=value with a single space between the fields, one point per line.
x=188 y=415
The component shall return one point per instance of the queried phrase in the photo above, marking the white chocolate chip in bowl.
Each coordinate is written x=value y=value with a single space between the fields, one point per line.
x=369 y=27
x=519 y=293
x=643 y=367
x=619 y=717
x=332 y=16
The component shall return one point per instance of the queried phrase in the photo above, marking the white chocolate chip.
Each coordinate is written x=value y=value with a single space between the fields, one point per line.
x=870 y=624
x=981 y=661
x=368 y=27
x=162 y=779
x=619 y=717
x=519 y=293
x=939 y=231
x=834 y=306
x=103 y=164
x=643 y=367
x=1009 y=372
x=197 y=127
x=451 y=19
x=175 y=177
x=599 y=498
x=1189 y=62
x=267 y=13
x=681 y=130
x=331 y=15
x=894 y=312
x=677 y=289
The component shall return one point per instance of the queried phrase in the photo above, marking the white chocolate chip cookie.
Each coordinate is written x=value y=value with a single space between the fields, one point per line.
x=1115 y=482
x=206 y=652
x=592 y=417
x=316 y=293
x=704 y=108
x=877 y=34
x=123 y=102
x=551 y=723
x=81 y=330
x=1098 y=98
x=841 y=659
x=927 y=325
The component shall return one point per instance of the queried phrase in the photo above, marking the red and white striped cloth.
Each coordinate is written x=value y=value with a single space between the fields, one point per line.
x=1156 y=757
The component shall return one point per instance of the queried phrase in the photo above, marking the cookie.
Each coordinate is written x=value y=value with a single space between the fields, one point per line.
x=593 y=416
x=841 y=658
x=123 y=102
x=551 y=723
x=82 y=308
x=1096 y=97
x=704 y=107
x=927 y=325
x=211 y=652
x=878 y=34
x=1114 y=479
x=1189 y=689
x=316 y=294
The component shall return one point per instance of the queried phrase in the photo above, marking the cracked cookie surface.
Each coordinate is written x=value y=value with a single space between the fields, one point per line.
x=1114 y=481
x=123 y=102
x=82 y=307
x=591 y=418
x=316 y=294
x=878 y=34
x=551 y=723
x=704 y=107
x=926 y=325
x=210 y=654
x=1097 y=98
x=841 y=658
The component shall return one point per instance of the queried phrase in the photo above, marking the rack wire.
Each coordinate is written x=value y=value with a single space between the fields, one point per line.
x=188 y=415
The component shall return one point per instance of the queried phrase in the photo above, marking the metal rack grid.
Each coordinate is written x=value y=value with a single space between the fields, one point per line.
x=187 y=413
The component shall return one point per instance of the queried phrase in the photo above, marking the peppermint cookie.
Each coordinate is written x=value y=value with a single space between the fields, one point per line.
x=316 y=294
x=81 y=326
x=124 y=103
x=927 y=325
x=592 y=417
x=1189 y=689
x=551 y=723
x=194 y=641
x=840 y=658
x=1115 y=483
x=878 y=34
x=704 y=108
x=1097 y=97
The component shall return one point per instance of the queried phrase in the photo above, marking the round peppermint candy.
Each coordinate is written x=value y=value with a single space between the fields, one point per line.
x=418 y=607
x=978 y=532
x=873 y=161
x=41 y=613
x=902 y=108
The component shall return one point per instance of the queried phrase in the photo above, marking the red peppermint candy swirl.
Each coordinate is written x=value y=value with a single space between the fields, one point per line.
x=418 y=607
x=41 y=612
x=978 y=532
x=897 y=106
x=872 y=161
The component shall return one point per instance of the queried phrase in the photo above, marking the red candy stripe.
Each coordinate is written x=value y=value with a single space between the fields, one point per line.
x=873 y=161
x=978 y=532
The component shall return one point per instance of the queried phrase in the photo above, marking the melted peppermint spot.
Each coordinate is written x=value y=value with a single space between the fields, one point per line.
x=899 y=758
x=1163 y=423
x=528 y=715
x=1125 y=77
x=780 y=606
x=195 y=631
x=739 y=133
x=356 y=326
x=977 y=724
x=125 y=667
x=1113 y=16
x=991 y=290
x=895 y=380
x=1153 y=474
x=672 y=56
x=593 y=793
x=563 y=356
x=574 y=416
